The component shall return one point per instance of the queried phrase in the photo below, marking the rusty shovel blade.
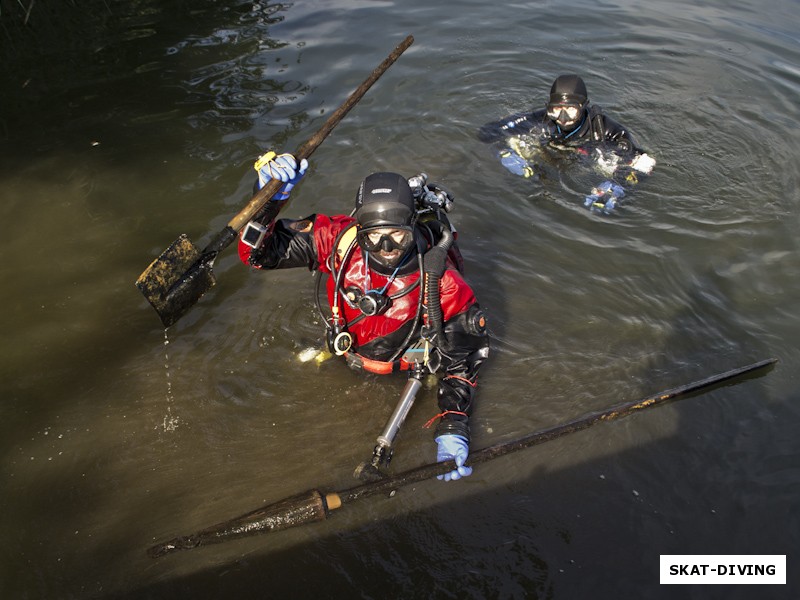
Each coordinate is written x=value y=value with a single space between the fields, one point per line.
x=177 y=279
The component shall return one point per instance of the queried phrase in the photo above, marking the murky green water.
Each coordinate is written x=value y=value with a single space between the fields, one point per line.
x=128 y=123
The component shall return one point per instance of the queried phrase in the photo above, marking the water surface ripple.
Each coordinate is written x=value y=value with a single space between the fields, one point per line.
x=115 y=437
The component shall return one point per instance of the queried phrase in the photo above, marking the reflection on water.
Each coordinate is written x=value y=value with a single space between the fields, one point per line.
x=118 y=434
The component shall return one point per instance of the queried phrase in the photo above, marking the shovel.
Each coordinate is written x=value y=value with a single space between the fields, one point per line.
x=179 y=277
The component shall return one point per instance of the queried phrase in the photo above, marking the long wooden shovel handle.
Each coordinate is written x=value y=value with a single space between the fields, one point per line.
x=268 y=191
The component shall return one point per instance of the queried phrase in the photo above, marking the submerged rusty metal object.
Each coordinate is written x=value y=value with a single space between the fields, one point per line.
x=314 y=506
x=307 y=507
x=182 y=274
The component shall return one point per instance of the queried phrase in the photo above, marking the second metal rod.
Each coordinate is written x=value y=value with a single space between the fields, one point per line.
x=386 y=439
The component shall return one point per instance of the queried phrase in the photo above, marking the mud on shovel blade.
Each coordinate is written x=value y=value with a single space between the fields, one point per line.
x=179 y=277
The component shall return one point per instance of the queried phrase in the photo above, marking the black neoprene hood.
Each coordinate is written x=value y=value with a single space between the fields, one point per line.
x=384 y=199
x=568 y=89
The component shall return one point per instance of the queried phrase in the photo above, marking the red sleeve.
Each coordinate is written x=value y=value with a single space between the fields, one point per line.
x=456 y=295
x=326 y=232
x=245 y=250
x=293 y=243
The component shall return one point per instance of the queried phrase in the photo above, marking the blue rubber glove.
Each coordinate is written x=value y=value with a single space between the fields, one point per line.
x=590 y=200
x=605 y=197
x=284 y=168
x=610 y=188
x=453 y=447
x=515 y=163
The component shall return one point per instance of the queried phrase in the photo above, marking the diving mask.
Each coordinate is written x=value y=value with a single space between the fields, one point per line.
x=565 y=114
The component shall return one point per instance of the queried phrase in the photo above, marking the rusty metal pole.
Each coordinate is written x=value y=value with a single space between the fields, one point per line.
x=313 y=506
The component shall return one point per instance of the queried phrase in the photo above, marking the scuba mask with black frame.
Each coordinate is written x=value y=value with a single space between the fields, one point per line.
x=388 y=246
x=566 y=114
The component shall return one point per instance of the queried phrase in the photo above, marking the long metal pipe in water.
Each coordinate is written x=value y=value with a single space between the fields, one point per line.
x=313 y=506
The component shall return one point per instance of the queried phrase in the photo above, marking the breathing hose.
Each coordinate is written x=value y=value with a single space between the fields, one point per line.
x=435 y=263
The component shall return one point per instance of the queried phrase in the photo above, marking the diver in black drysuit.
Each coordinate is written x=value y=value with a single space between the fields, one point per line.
x=569 y=122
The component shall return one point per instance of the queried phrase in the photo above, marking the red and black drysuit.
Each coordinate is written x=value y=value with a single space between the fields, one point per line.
x=458 y=349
